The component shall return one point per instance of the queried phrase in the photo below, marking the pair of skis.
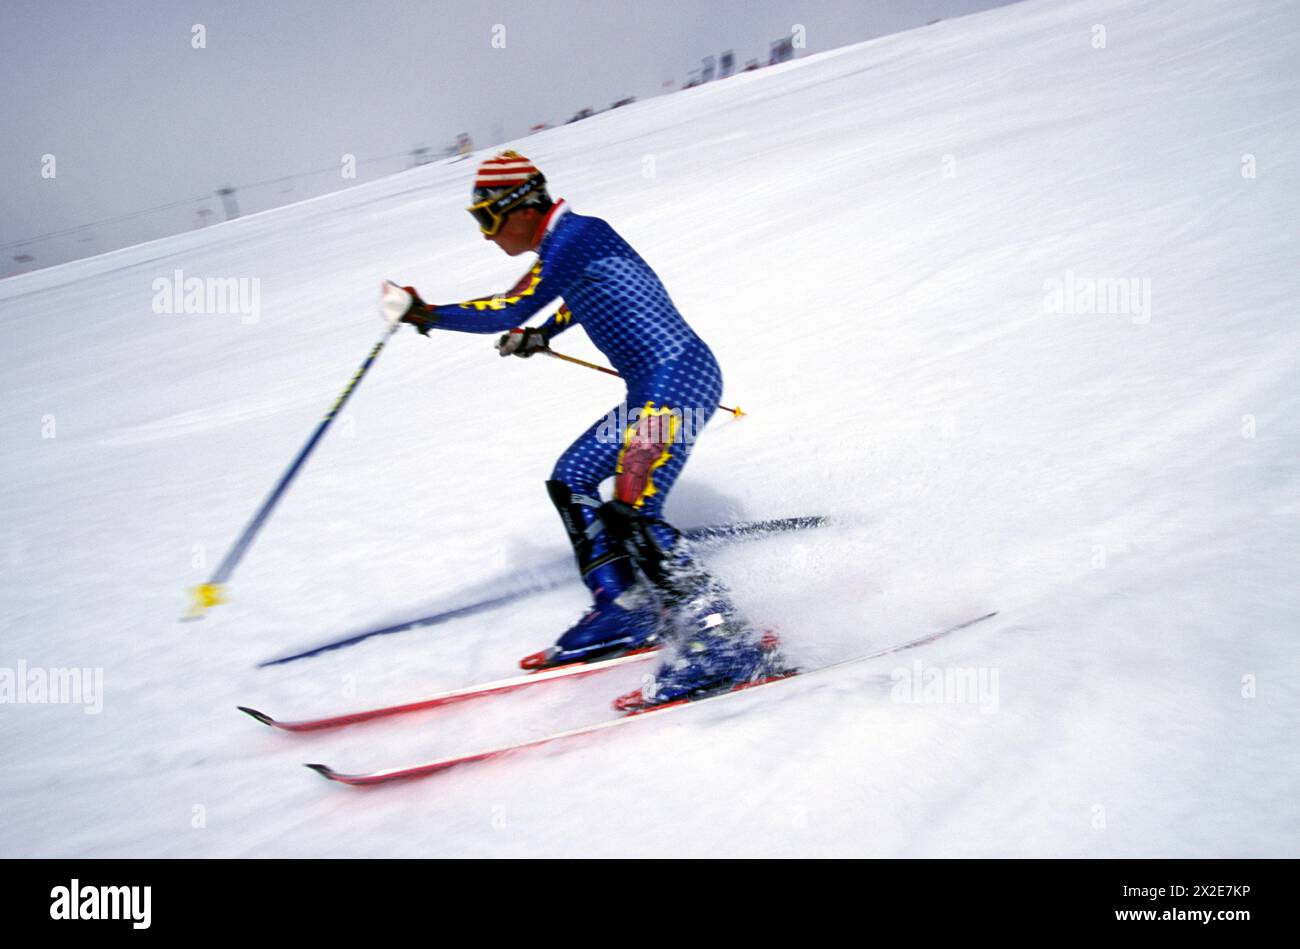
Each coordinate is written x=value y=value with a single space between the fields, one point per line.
x=501 y=686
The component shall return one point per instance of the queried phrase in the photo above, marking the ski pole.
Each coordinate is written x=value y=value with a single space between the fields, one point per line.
x=737 y=412
x=212 y=593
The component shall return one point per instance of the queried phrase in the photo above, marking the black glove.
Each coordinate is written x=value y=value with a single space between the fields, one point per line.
x=522 y=342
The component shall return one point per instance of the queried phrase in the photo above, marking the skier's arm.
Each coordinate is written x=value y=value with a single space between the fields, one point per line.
x=556 y=323
x=504 y=311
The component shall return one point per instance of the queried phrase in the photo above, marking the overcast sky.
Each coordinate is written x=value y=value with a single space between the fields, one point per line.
x=135 y=116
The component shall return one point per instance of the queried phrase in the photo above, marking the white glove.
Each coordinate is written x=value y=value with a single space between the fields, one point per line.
x=395 y=302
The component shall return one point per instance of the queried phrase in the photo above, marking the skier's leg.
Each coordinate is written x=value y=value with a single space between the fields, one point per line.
x=653 y=452
x=618 y=619
x=574 y=489
x=605 y=566
x=715 y=647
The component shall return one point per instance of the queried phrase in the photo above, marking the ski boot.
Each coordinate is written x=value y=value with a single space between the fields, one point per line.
x=722 y=653
x=621 y=626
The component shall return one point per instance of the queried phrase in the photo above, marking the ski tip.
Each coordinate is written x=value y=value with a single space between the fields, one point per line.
x=324 y=770
x=260 y=716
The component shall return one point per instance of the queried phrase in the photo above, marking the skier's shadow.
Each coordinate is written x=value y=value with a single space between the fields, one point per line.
x=699 y=504
x=698 y=510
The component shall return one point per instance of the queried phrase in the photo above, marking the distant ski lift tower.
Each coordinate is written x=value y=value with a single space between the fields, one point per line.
x=227 y=195
x=782 y=50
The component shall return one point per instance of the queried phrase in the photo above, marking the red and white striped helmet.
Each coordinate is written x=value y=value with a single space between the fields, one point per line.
x=504 y=171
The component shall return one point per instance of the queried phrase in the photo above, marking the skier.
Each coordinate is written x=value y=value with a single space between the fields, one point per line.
x=671 y=376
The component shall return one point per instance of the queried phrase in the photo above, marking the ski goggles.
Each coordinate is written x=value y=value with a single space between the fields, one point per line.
x=491 y=214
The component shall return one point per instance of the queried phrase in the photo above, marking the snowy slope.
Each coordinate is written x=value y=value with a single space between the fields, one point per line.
x=867 y=238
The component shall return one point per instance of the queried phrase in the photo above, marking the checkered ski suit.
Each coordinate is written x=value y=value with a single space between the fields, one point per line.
x=614 y=295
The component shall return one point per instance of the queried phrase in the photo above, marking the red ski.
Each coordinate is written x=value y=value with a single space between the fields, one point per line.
x=498 y=687
x=434 y=767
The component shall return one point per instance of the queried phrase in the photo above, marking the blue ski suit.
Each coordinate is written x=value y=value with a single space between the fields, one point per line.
x=673 y=384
